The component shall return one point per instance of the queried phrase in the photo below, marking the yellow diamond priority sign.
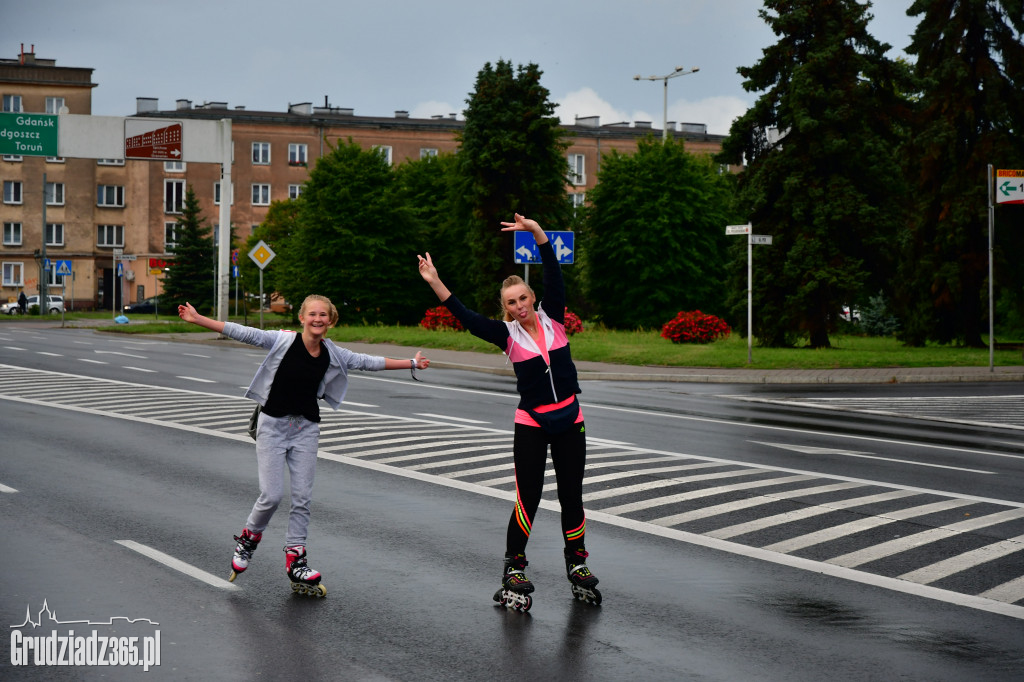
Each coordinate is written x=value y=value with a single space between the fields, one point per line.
x=262 y=254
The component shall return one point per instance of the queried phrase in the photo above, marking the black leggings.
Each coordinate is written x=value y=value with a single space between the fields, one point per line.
x=569 y=456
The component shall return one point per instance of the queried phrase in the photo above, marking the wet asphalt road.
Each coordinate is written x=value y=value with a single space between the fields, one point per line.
x=410 y=567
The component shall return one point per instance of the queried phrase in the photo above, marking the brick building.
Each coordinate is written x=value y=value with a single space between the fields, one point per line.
x=95 y=207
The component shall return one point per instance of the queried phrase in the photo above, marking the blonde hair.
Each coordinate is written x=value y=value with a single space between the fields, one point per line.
x=331 y=310
x=511 y=281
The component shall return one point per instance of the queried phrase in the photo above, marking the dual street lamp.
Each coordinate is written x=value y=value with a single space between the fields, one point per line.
x=679 y=71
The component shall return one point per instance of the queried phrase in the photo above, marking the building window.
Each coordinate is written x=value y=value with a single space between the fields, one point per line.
x=170 y=236
x=54 y=193
x=174 y=166
x=296 y=155
x=110 y=235
x=12 y=234
x=385 y=151
x=12 y=103
x=55 y=234
x=110 y=195
x=174 y=196
x=12 y=192
x=54 y=105
x=261 y=195
x=13 y=274
x=577 y=169
x=294 y=191
x=261 y=153
x=216 y=193
x=54 y=159
x=577 y=199
x=13 y=157
x=109 y=162
x=427 y=152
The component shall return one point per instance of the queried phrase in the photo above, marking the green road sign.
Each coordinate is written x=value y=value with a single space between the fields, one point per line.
x=28 y=134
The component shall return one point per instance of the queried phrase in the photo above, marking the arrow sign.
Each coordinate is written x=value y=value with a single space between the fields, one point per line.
x=1010 y=186
x=524 y=248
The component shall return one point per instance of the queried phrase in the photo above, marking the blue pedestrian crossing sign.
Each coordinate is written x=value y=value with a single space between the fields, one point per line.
x=526 y=252
x=63 y=267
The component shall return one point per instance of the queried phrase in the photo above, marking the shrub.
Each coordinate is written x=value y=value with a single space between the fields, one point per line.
x=573 y=323
x=695 y=327
x=440 y=318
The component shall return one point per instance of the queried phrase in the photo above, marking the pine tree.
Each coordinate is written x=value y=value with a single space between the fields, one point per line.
x=970 y=63
x=192 y=276
x=822 y=176
x=511 y=160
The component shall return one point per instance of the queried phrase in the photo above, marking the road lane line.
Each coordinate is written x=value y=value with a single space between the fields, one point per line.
x=690 y=495
x=451 y=419
x=177 y=565
x=6 y=489
x=95 y=362
x=887 y=549
x=805 y=513
x=52 y=355
x=962 y=562
x=140 y=369
x=846 y=529
x=200 y=380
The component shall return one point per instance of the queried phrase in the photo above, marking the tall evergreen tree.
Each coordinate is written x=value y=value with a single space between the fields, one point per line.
x=511 y=159
x=654 y=239
x=192 y=276
x=822 y=176
x=970 y=64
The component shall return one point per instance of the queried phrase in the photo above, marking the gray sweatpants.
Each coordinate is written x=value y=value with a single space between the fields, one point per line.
x=285 y=441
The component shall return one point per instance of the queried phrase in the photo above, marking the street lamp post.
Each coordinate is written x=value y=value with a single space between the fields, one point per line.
x=678 y=71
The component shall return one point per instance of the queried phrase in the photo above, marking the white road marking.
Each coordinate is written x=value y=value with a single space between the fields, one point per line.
x=203 y=381
x=13 y=348
x=196 y=355
x=140 y=369
x=117 y=352
x=177 y=565
x=6 y=489
x=95 y=362
x=962 y=562
x=452 y=419
x=807 y=450
x=52 y=355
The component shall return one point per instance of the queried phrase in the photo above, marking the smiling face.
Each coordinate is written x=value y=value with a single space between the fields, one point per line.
x=317 y=315
x=518 y=300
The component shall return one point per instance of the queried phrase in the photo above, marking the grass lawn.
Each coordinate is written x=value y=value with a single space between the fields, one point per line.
x=624 y=347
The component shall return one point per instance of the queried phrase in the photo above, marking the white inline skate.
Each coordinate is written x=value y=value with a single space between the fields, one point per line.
x=247 y=542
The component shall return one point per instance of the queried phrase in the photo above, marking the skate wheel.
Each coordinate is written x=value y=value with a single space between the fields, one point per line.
x=231 y=578
x=527 y=603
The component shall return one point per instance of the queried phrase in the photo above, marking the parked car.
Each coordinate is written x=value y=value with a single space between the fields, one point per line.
x=149 y=305
x=850 y=314
x=55 y=305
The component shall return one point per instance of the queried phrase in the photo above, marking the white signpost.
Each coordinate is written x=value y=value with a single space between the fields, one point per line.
x=751 y=240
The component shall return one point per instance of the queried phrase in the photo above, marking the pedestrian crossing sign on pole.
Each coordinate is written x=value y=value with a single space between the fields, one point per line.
x=63 y=267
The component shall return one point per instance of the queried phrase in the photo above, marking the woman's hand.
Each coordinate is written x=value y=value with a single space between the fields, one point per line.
x=421 y=361
x=522 y=224
x=427 y=270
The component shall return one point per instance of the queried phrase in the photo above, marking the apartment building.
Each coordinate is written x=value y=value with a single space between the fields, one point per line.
x=96 y=209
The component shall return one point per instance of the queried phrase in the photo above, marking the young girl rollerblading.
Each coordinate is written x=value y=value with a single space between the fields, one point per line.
x=548 y=414
x=298 y=370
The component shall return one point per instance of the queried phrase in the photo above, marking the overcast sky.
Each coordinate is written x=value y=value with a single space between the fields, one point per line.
x=422 y=56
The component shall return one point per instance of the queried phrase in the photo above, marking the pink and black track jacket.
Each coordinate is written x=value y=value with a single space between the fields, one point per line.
x=540 y=381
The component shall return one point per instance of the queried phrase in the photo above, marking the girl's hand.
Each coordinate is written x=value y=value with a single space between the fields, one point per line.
x=188 y=313
x=421 y=361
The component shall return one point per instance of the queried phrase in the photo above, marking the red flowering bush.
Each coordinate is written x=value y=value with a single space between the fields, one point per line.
x=573 y=323
x=440 y=318
x=695 y=327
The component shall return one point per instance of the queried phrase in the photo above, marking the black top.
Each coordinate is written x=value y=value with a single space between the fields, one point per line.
x=294 y=391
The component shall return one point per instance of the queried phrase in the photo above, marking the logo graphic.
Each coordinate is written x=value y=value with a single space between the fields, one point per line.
x=93 y=649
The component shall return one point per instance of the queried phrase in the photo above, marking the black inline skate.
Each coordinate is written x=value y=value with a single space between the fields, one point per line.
x=247 y=542
x=515 y=586
x=304 y=579
x=584 y=583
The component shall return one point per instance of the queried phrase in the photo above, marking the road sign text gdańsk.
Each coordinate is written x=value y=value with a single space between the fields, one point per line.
x=28 y=134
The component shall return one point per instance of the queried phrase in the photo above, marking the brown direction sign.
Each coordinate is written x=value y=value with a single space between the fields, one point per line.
x=163 y=143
